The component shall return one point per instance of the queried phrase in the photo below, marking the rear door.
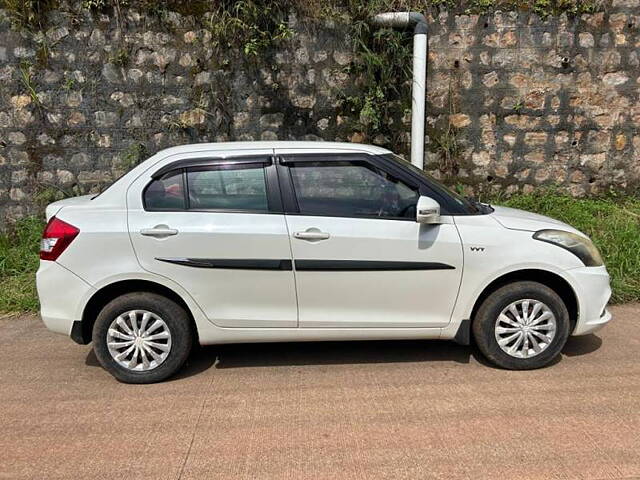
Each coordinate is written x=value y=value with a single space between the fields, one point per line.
x=360 y=258
x=215 y=225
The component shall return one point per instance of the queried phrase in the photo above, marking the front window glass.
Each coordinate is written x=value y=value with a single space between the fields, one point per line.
x=344 y=188
x=227 y=187
x=437 y=186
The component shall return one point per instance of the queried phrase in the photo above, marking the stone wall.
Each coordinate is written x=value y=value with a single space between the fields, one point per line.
x=514 y=101
x=541 y=102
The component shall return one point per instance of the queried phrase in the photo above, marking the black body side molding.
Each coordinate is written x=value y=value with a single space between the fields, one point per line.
x=237 y=264
x=365 y=265
x=306 y=265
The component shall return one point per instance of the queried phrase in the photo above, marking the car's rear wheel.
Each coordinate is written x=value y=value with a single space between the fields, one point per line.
x=521 y=326
x=142 y=337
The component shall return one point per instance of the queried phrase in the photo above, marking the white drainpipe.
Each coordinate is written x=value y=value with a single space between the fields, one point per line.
x=419 y=85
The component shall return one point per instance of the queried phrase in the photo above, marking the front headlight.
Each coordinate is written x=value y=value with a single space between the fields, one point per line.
x=580 y=246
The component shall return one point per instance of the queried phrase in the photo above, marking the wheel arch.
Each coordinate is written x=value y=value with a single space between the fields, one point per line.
x=108 y=292
x=552 y=280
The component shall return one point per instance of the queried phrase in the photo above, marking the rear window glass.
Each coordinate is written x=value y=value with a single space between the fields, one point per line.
x=229 y=187
x=166 y=193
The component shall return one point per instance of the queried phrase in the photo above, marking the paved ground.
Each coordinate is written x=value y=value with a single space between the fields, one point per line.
x=334 y=410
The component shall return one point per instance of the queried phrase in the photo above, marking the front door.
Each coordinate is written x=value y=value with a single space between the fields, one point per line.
x=360 y=258
x=215 y=226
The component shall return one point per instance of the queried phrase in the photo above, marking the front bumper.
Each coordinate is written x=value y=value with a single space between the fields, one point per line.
x=593 y=325
x=592 y=288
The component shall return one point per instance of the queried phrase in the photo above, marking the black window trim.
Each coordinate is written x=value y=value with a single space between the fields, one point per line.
x=447 y=205
x=290 y=202
x=274 y=199
x=265 y=159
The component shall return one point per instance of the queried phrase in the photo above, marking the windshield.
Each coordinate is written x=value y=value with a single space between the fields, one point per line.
x=467 y=205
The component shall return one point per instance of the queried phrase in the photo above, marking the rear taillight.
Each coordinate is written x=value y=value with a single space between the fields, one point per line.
x=56 y=238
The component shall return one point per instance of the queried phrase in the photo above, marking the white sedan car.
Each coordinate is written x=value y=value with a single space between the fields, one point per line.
x=299 y=241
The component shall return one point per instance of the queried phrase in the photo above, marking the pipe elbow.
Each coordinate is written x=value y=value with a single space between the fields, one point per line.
x=417 y=18
x=401 y=20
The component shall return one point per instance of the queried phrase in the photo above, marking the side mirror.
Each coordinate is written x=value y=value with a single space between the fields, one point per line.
x=427 y=211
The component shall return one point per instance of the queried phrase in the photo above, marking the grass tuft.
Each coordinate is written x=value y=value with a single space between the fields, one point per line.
x=19 y=248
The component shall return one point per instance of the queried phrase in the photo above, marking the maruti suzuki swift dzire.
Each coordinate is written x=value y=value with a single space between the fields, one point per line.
x=307 y=241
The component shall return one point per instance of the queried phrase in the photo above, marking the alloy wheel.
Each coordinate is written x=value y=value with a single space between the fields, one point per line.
x=139 y=340
x=525 y=328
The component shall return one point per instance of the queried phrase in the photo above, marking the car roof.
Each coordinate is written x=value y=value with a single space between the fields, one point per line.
x=114 y=194
x=281 y=145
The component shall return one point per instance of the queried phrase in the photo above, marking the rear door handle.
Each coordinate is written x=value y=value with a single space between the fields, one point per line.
x=311 y=235
x=159 y=231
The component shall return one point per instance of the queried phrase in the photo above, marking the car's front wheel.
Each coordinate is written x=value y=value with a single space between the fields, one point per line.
x=521 y=326
x=142 y=337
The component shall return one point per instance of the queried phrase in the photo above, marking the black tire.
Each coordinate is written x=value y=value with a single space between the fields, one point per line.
x=484 y=324
x=174 y=316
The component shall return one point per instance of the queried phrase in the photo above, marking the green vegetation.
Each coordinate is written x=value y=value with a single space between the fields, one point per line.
x=18 y=263
x=382 y=69
x=613 y=224
x=28 y=14
x=446 y=143
x=120 y=57
x=27 y=82
x=133 y=155
x=69 y=82
x=518 y=106
x=256 y=26
x=445 y=140
x=94 y=4
x=46 y=194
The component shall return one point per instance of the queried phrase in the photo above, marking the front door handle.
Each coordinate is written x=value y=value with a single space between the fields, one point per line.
x=311 y=234
x=159 y=231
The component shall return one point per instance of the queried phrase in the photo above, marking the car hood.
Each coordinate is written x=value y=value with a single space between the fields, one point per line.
x=515 y=219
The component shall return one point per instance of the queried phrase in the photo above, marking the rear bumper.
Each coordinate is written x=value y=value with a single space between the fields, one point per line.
x=593 y=291
x=61 y=293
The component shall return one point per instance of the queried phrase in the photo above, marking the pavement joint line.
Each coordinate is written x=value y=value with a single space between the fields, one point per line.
x=195 y=427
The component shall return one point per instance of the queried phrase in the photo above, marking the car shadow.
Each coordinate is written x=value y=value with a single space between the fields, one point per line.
x=353 y=352
x=316 y=353
x=344 y=353
x=91 y=360
x=582 y=345
x=200 y=360
x=336 y=353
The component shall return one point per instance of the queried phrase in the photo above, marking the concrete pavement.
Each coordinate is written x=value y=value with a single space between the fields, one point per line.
x=327 y=410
